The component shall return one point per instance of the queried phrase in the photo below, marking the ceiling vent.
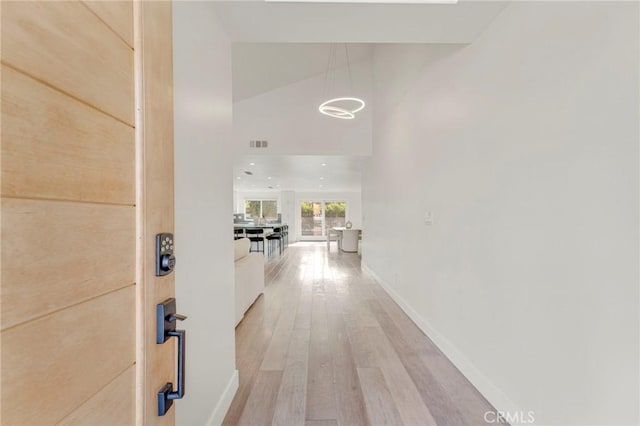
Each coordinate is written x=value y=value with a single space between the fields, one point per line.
x=258 y=144
x=247 y=172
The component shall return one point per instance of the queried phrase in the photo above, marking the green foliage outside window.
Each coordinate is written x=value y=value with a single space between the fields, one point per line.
x=256 y=209
x=269 y=209
x=306 y=209
x=335 y=209
x=252 y=209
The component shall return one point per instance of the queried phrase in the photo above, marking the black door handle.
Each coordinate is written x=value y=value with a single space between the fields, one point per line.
x=167 y=318
x=182 y=340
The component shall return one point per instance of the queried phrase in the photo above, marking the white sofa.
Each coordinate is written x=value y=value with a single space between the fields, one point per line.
x=249 y=278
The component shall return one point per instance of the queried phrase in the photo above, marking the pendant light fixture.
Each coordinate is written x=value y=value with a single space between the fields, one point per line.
x=343 y=107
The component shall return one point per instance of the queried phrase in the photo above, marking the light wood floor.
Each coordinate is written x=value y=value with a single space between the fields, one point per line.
x=325 y=345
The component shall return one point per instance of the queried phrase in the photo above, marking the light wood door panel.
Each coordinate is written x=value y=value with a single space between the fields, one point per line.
x=56 y=147
x=54 y=363
x=118 y=15
x=82 y=197
x=62 y=253
x=155 y=127
x=113 y=405
x=66 y=45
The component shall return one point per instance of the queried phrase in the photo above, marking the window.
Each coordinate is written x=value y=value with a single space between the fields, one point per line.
x=316 y=217
x=335 y=214
x=311 y=218
x=256 y=209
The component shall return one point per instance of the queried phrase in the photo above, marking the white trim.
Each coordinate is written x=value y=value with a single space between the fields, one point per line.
x=495 y=396
x=217 y=416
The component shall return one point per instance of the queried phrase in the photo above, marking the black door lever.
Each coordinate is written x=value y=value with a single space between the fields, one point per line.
x=177 y=317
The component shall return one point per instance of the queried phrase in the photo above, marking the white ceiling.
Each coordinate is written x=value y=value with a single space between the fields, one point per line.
x=276 y=44
x=301 y=173
x=268 y=22
x=261 y=67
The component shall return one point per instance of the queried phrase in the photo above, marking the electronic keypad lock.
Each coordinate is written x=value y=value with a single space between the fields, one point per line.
x=165 y=260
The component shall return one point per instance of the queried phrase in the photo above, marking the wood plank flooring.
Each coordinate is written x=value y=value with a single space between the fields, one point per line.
x=325 y=345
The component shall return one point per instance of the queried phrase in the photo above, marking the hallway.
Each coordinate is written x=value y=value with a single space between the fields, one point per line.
x=325 y=345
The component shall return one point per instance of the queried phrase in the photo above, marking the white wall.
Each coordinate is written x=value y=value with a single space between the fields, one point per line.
x=287 y=207
x=288 y=118
x=237 y=208
x=203 y=196
x=525 y=146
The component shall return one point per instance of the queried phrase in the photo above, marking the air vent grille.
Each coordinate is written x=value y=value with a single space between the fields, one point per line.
x=258 y=144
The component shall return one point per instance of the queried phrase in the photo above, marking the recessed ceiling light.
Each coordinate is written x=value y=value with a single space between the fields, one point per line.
x=269 y=178
x=238 y=177
x=321 y=178
x=324 y=164
x=252 y=164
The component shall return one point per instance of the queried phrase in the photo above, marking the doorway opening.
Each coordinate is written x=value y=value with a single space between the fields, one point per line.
x=318 y=216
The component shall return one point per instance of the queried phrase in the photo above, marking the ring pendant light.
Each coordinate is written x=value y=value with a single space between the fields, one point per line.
x=344 y=107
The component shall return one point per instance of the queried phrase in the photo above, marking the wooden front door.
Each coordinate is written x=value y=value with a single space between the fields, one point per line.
x=87 y=183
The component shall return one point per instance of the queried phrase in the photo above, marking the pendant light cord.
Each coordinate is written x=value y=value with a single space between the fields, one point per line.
x=332 y=64
x=329 y=76
x=346 y=54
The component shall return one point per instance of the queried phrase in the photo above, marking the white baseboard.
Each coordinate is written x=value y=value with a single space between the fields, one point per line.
x=225 y=401
x=494 y=395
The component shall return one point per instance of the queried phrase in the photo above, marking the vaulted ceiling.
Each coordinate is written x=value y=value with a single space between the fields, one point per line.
x=277 y=44
x=260 y=67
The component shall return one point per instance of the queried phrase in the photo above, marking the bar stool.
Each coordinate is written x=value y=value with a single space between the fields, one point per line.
x=238 y=233
x=274 y=237
x=285 y=235
x=255 y=235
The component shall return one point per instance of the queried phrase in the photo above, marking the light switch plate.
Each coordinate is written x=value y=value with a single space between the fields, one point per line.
x=428 y=218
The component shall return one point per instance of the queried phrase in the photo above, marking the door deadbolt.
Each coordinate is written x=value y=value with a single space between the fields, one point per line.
x=165 y=259
x=167 y=262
